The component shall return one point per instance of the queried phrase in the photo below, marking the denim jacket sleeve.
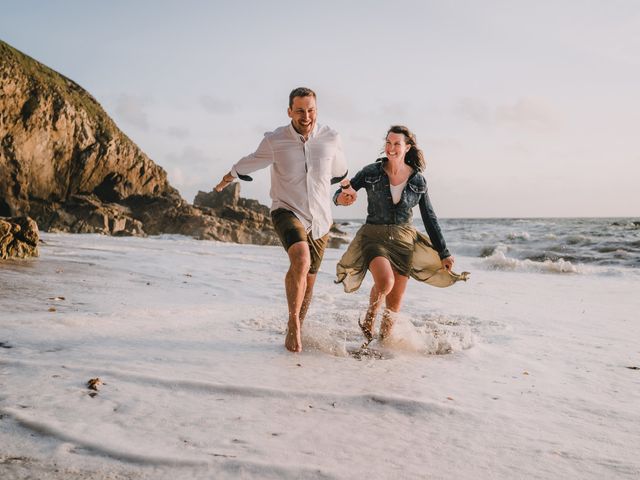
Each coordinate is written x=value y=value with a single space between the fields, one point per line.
x=432 y=226
x=357 y=182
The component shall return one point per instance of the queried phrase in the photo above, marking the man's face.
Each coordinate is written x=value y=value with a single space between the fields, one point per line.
x=303 y=114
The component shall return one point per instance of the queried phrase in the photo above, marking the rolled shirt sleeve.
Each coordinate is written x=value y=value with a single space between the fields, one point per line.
x=261 y=158
x=339 y=166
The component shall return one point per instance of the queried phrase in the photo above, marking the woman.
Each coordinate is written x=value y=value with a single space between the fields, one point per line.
x=388 y=244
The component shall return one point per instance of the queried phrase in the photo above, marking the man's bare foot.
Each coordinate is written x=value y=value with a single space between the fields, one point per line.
x=292 y=341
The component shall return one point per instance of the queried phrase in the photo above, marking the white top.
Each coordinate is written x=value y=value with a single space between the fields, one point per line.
x=301 y=172
x=396 y=191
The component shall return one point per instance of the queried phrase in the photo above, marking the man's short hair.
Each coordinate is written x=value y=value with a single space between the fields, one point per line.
x=300 y=92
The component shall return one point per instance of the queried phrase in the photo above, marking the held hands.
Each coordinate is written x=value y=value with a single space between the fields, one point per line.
x=224 y=183
x=447 y=263
x=347 y=196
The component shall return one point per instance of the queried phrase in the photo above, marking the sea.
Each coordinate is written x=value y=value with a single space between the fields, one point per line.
x=555 y=245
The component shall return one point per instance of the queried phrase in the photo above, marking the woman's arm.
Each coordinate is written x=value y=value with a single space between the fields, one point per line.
x=433 y=227
x=346 y=194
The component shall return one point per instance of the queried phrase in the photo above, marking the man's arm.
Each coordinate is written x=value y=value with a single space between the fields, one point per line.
x=261 y=158
x=226 y=180
x=346 y=195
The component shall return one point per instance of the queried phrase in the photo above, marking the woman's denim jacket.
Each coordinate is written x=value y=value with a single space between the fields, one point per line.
x=382 y=211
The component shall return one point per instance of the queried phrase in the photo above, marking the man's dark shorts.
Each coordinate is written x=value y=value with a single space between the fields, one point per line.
x=290 y=230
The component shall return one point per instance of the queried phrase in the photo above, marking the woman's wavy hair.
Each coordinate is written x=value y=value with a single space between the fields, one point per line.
x=414 y=157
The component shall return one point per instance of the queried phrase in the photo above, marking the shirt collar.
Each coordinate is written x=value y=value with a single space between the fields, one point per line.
x=297 y=135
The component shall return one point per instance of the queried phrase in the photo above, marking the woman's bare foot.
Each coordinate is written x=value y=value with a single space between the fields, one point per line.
x=292 y=340
x=367 y=324
x=367 y=330
x=386 y=326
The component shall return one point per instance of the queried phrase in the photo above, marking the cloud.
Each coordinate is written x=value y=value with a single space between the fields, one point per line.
x=190 y=170
x=475 y=110
x=194 y=157
x=339 y=107
x=528 y=113
x=215 y=105
x=395 y=110
x=177 y=132
x=365 y=139
x=443 y=143
x=132 y=110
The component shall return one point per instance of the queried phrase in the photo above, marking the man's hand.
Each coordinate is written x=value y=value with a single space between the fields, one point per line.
x=224 y=183
x=346 y=197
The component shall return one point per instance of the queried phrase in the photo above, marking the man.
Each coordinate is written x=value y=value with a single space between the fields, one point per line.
x=305 y=159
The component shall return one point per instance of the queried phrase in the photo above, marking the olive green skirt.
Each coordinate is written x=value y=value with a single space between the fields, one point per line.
x=409 y=252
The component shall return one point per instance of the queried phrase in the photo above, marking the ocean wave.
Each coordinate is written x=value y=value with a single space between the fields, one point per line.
x=578 y=240
x=631 y=225
x=475 y=236
x=519 y=236
x=499 y=261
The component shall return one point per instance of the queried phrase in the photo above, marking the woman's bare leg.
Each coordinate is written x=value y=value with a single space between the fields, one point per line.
x=393 y=304
x=383 y=279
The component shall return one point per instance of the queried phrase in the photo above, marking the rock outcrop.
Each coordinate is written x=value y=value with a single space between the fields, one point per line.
x=18 y=237
x=56 y=141
x=66 y=164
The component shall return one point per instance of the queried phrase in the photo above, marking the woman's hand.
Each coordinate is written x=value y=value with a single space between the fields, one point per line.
x=347 y=196
x=447 y=263
x=226 y=180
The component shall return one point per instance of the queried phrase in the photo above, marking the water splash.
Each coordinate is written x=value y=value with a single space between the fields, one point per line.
x=430 y=337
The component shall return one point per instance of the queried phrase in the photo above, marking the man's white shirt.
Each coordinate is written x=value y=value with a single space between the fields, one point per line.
x=301 y=172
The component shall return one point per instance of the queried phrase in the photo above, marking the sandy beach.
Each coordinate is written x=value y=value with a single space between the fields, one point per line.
x=515 y=374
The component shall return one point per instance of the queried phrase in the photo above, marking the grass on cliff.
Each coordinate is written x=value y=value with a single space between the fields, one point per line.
x=51 y=81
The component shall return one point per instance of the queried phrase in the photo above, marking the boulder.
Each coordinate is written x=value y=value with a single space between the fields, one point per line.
x=18 y=237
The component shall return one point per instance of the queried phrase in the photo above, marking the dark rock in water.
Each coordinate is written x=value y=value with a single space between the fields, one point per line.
x=18 y=237
x=337 y=237
x=487 y=251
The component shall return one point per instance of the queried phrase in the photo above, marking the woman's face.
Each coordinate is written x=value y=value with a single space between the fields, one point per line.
x=396 y=146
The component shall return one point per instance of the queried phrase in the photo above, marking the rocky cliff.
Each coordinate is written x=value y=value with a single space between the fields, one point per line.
x=56 y=141
x=66 y=164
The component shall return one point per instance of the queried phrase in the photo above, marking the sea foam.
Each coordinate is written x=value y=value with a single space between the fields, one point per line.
x=499 y=261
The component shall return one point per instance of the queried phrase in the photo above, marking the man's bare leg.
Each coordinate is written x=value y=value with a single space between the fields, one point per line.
x=295 y=282
x=311 y=280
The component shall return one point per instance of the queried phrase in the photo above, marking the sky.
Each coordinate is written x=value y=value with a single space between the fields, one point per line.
x=522 y=108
